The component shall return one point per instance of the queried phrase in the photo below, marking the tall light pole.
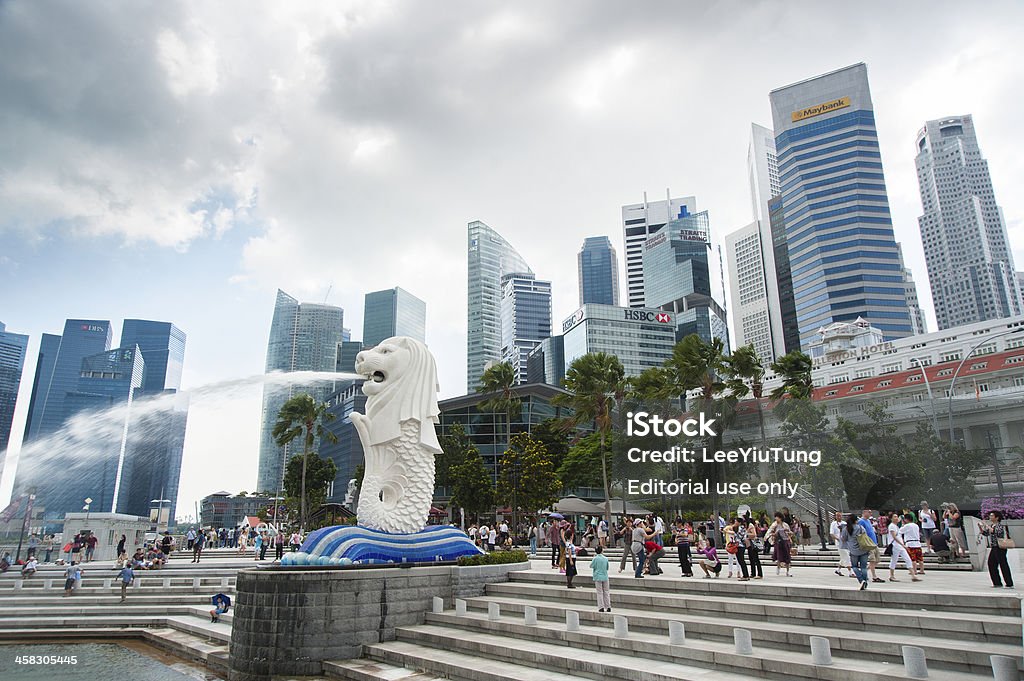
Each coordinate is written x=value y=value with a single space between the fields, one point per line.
x=931 y=397
x=952 y=383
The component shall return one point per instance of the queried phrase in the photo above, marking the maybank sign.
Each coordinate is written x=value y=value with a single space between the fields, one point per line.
x=818 y=109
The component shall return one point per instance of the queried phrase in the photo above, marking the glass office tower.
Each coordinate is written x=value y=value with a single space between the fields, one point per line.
x=303 y=337
x=525 y=319
x=60 y=360
x=12 y=361
x=598 y=271
x=842 y=251
x=156 y=440
x=683 y=275
x=393 y=312
x=490 y=258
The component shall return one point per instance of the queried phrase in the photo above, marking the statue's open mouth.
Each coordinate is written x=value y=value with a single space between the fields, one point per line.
x=377 y=377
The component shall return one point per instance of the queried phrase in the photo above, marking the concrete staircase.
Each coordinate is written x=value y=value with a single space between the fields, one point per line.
x=866 y=630
x=168 y=608
x=806 y=556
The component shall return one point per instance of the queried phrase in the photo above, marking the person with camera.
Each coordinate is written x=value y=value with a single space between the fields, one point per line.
x=998 y=543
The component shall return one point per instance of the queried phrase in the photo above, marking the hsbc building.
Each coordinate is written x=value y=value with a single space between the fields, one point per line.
x=640 y=337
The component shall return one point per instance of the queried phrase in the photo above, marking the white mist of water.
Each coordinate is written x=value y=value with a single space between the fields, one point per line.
x=89 y=437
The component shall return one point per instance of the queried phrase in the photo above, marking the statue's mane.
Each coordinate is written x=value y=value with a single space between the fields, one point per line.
x=410 y=395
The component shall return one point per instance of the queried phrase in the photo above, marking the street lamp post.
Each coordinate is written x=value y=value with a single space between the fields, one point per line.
x=931 y=397
x=952 y=384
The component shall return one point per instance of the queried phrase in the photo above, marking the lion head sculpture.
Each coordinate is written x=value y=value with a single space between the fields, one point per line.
x=401 y=384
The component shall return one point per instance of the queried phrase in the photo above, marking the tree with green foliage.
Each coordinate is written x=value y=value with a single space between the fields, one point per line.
x=556 y=439
x=499 y=381
x=596 y=383
x=526 y=477
x=454 y=446
x=700 y=367
x=303 y=416
x=472 y=489
x=319 y=474
x=794 y=369
x=582 y=466
x=748 y=378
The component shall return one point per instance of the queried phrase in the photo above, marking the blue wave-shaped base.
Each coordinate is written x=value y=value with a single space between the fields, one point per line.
x=348 y=544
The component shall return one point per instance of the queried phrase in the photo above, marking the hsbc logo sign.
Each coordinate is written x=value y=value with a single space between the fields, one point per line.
x=572 y=321
x=636 y=315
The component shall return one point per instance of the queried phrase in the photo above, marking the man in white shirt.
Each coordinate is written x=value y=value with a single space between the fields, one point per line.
x=503 y=532
x=659 y=530
x=602 y=533
x=910 y=533
x=484 y=532
x=928 y=520
x=899 y=550
x=836 y=530
x=492 y=539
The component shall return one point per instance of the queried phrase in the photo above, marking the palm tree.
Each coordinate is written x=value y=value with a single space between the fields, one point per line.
x=499 y=380
x=596 y=383
x=748 y=376
x=703 y=366
x=302 y=415
x=795 y=371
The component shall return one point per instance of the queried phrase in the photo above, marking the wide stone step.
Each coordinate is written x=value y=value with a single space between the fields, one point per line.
x=57 y=590
x=374 y=670
x=595 y=653
x=944 y=625
x=68 y=607
x=878 y=644
x=214 y=654
x=487 y=657
x=835 y=597
x=201 y=627
x=154 y=597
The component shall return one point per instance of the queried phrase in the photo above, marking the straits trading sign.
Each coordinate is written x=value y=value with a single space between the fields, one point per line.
x=823 y=108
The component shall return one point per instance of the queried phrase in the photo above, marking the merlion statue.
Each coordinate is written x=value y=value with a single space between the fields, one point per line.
x=397 y=434
x=399 y=444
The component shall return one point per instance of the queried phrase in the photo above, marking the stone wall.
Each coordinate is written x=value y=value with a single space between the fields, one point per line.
x=289 y=620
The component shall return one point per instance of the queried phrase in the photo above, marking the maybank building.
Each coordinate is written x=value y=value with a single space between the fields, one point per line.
x=640 y=337
x=844 y=259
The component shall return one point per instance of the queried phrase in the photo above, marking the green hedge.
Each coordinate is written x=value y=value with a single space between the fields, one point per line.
x=495 y=558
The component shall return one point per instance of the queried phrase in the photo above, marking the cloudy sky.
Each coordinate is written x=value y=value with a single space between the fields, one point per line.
x=181 y=161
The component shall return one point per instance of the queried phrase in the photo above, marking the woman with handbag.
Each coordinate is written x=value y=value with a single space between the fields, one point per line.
x=998 y=543
x=856 y=540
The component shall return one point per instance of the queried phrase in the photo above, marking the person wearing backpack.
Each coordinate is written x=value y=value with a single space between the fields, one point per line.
x=858 y=543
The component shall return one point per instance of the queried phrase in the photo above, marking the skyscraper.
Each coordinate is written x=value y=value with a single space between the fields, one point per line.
x=640 y=221
x=303 y=337
x=525 y=319
x=12 y=361
x=748 y=290
x=156 y=440
x=393 y=312
x=683 y=275
x=490 y=258
x=966 y=248
x=750 y=253
x=843 y=255
x=598 y=271
x=57 y=371
x=163 y=347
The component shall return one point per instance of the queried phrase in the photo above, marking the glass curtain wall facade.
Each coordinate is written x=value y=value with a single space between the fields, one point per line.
x=683 y=275
x=303 y=337
x=490 y=258
x=393 y=312
x=347 y=452
x=12 y=361
x=966 y=248
x=843 y=255
x=525 y=319
x=598 y=271
x=640 y=221
x=546 y=363
x=60 y=361
x=640 y=337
